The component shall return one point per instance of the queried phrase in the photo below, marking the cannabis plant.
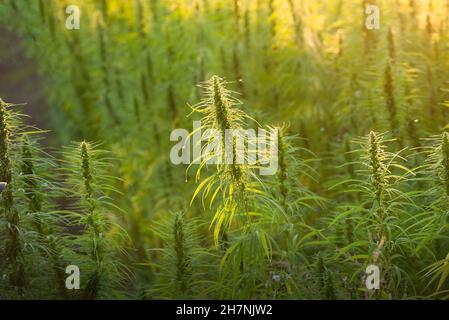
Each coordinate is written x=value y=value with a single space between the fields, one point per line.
x=85 y=169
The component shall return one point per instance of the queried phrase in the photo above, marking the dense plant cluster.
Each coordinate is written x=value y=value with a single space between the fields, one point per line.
x=363 y=152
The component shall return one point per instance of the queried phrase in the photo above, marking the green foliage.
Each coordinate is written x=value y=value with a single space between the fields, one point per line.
x=308 y=71
x=86 y=176
x=184 y=268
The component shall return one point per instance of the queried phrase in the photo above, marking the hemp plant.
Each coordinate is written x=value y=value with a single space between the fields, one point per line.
x=39 y=192
x=242 y=204
x=435 y=220
x=13 y=263
x=383 y=209
x=184 y=268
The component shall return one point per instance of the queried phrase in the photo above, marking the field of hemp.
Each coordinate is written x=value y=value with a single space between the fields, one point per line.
x=224 y=149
